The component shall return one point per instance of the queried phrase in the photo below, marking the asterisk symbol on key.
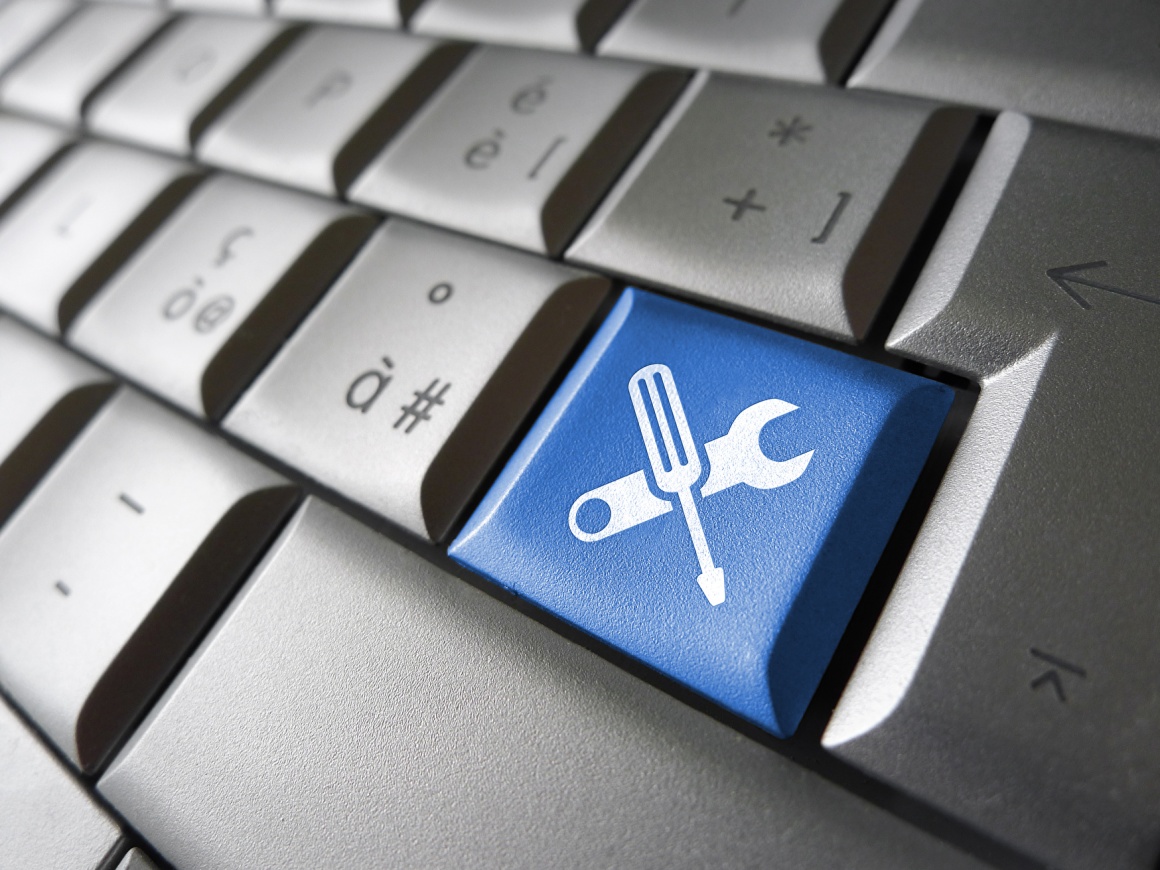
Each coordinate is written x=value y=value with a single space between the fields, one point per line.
x=792 y=131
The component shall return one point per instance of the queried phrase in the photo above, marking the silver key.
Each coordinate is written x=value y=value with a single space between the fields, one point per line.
x=23 y=23
x=519 y=145
x=1090 y=63
x=115 y=564
x=25 y=146
x=232 y=7
x=47 y=396
x=203 y=305
x=1012 y=677
x=170 y=94
x=320 y=114
x=806 y=40
x=383 y=13
x=784 y=219
x=468 y=736
x=56 y=79
x=49 y=821
x=568 y=25
x=407 y=382
x=75 y=227
x=135 y=859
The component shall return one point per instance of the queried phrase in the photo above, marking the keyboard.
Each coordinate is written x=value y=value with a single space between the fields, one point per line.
x=619 y=433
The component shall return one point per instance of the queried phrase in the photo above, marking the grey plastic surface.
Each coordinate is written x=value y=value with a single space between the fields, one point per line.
x=751 y=195
x=564 y=25
x=1012 y=679
x=202 y=306
x=47 y=396
x=48 y=820
x=1074 y=60
x=519 y=145
x=56 y=78
x=358 y=702
x=115 y=563
x=61 y=240
x=24 y=148
x=170 y=93
x=808 y=40
x=24 y=22
x=327 y=106
x=382 y=13
x=407 y=382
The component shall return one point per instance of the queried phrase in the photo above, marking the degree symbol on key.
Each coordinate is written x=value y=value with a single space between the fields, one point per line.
x=734 y=458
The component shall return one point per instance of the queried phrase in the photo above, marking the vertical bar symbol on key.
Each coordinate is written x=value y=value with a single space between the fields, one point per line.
x=683 y=466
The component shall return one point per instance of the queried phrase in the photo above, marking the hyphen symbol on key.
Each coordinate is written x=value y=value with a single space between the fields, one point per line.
x=734 y=458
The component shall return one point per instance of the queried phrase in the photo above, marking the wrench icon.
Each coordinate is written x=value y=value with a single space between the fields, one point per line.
x=734 y=458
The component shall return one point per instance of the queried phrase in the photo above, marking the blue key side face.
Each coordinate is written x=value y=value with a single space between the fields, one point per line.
x=583 y=521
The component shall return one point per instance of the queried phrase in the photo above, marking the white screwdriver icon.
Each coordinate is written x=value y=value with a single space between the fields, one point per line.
x=683 y=466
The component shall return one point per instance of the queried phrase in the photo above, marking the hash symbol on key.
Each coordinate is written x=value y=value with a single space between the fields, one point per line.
x=734 y=458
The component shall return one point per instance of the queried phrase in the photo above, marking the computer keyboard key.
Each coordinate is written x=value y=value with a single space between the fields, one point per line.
x=709 y=497
x=49 y=821
x=1088 y=63
x=179 y=84
x=25 y=146
x=567 y=25
x=59 y=75
x=519 y=145
x=358 y=701
x=754 y=197
x=202 y=306
x=116 y=563
x=1012 y=679
x=71 y=231
x=135 y=859
x=804 y=40
x=231 y=7
x=47 y=396
x=326 y=108
x=23 y=23
x=383 y=13
x=405 y=385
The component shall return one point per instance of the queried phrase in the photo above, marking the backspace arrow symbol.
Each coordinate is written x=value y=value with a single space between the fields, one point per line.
x=1065 y=277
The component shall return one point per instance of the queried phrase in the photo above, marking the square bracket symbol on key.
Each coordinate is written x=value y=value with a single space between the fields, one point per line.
x=734 y=458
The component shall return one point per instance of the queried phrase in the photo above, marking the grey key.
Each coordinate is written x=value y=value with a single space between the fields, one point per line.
x=408 y=381
x=25 y=146
x=115 y=564
x=47 y=396
x=568 y=25
x=519 y=145
x=56 y=79
x=804 y=40
x=383 y=13
x=23 y=23
x=67 y=235
x=180 y=83
x=1091 y=63
x=784 y=218
x=327 y=107
x=49 y=821
x=202 y=306
x=1012 y=677
x=232 y=7
x=358 y=699
x=135 y=859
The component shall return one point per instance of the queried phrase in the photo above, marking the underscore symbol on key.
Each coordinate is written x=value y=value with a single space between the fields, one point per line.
x=420 y=409
x=675 y=463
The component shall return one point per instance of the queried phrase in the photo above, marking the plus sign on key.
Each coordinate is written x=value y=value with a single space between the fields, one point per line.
x=709 y=497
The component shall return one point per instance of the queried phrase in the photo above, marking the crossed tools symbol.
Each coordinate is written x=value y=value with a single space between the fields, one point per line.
x=736 y=457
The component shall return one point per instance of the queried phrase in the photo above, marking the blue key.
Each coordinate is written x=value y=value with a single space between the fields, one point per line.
x=710 y=497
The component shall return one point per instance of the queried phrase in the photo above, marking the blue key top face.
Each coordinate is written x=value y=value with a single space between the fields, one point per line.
x=710 y=497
